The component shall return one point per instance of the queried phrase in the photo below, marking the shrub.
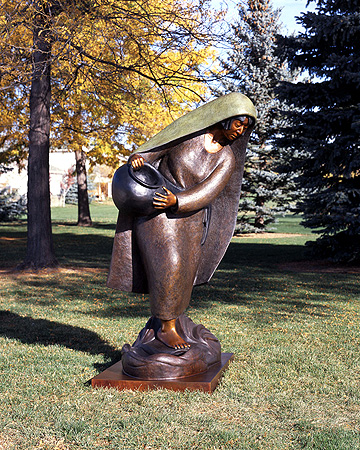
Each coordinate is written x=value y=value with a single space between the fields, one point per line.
x=12 y=206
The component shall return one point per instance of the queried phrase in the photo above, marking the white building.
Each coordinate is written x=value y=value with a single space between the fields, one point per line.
x=60 y=164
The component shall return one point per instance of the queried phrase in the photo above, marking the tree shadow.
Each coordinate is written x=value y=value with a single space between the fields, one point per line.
x=105 y=225
x=86 y=250
x=45 y=332
x=97 y=225
x=262 y=254
x=248 y=274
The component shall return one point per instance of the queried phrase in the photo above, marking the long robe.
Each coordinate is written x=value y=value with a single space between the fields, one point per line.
x=162 y=254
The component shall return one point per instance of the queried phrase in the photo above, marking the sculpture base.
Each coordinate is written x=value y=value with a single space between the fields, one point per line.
x=150 y=359
x=207 y=381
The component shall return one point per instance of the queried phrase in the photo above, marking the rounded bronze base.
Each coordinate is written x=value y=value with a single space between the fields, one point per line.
x=150 y=359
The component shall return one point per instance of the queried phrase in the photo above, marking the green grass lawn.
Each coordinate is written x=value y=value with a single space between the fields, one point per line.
x=294 y=383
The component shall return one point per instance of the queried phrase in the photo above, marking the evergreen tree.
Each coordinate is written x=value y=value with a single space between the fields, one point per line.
x=72 y=195
x=324 y=137
x=255 y=69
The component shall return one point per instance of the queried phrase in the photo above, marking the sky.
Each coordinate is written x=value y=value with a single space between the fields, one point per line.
x=289 y=9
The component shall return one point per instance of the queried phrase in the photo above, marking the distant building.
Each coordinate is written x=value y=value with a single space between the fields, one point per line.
x=61 y=164
x=14 y=181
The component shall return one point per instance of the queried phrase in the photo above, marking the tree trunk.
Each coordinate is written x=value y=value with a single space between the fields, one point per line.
x=40 y=252
x=84 y=219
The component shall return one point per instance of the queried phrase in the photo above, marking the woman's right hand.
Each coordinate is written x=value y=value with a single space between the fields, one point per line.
x=136 y=161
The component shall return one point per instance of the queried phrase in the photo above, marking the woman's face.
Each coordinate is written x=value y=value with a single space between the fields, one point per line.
x=237 y=128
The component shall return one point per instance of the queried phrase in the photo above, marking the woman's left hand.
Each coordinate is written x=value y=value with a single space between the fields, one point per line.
x=163 y=201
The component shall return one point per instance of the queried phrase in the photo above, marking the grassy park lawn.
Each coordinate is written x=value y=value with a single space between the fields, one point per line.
x=294 y=327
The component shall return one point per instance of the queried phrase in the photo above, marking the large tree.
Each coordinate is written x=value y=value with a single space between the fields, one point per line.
x=111 y=45
x=40 y=251
x=325 y=133
x=255 y=68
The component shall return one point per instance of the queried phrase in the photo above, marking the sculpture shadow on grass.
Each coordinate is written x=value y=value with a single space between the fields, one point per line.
x=45 y=332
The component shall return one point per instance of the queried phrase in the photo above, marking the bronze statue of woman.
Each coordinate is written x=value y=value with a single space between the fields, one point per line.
x=180 y=245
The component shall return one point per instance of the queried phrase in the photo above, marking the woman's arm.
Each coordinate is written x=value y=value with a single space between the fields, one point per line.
x=203 y=193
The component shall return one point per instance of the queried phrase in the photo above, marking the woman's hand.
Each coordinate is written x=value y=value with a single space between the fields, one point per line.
x=136 y=161
x=163 y=201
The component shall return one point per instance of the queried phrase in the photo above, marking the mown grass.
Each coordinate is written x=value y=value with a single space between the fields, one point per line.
x=294 y=383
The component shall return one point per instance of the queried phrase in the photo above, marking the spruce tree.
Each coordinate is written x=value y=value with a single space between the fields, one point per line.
x=255 y=68
x=324 y=137
x=72 y=195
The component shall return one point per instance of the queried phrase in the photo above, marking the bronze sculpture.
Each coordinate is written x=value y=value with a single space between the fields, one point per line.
x=181 y=241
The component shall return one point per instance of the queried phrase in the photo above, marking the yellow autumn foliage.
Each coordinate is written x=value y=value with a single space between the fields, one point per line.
x=121 y=70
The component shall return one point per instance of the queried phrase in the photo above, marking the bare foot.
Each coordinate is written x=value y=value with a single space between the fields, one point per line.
x=170 y=337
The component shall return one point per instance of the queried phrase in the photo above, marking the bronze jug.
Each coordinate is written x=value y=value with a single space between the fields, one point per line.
x=133 y=190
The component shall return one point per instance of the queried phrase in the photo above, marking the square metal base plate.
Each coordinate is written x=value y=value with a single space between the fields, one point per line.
x=207 y=381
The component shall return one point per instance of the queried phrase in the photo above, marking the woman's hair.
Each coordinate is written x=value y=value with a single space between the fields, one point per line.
x=226 y=124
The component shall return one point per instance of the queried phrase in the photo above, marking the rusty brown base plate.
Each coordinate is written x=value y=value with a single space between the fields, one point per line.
x=207 y=381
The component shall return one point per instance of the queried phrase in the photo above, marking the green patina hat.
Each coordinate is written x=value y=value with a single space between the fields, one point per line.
x=230 y=105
